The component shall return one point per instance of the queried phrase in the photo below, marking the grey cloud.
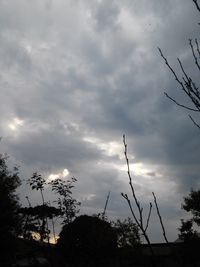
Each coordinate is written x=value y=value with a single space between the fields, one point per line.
x=106 y=15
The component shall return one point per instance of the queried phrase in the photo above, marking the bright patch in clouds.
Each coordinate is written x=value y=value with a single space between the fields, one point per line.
x=110 y=149
x=140 y=169
x=15 y=124
x=61 y=175
x=130 y=24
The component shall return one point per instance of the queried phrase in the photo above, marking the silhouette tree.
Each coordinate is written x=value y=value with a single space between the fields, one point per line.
x=36 y=219
x=39 y=213
x=87 y=240
x=67 y=205
x=34 y=222
x=188 y=234
x=9 y=207
x=127 y=233
x=191 y=204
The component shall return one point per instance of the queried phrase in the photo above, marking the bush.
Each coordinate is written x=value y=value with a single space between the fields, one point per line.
x=87 y=240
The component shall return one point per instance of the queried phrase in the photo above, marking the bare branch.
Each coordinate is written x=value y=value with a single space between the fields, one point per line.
x=160 y=218
x=195 y=123
x=125 y=196
x=178 y=104
x=196 y=4
x=194 y=55
x=143 y=231
x=149 y=215
x=197 y=47
x=131 y=183
x=139 y=221
x=181 y=66
x=189 y=87
x=192 y=91
x=174 y=73
x=104 y=211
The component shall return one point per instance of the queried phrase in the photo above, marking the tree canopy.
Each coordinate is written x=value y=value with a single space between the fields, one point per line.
x=87 y=238
x=9 y=209
x=191 y=204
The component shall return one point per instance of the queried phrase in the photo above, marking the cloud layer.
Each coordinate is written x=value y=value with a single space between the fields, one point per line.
x=76 y=75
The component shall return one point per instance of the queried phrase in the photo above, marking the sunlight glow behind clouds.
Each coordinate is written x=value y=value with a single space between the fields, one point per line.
x=16 y=124
x=60 y=175
x=110 y=149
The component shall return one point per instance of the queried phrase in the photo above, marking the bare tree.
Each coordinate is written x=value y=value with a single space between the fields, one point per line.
x=138 y=216
x=141 y=221
x=186 y=84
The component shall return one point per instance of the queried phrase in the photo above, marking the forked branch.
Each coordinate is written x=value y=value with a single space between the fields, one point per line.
x=138 y=219
x=187 y=85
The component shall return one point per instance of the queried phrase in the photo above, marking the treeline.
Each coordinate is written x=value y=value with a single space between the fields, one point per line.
x=37 y=222
x=82 y=238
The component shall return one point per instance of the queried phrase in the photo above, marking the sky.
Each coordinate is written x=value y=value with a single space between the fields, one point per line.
x=77 y=75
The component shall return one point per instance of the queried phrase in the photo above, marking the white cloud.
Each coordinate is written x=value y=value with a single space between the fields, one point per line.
x=63 y=174
x=15 y=124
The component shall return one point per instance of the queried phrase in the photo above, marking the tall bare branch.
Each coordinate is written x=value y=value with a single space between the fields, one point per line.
x=160 y=218
x=138 y=219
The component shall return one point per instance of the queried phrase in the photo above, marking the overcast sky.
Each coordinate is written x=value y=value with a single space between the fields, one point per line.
x=75 y=75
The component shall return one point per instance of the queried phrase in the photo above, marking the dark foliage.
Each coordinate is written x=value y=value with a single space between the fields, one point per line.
x=88 y=240
x=9 y=207
x=127 y=233
x=37 y=218
x=67 y=205
x=34 y=219
x=187 y=233
x=191 y=204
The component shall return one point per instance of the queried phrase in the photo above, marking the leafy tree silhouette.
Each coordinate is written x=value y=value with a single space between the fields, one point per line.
x=188 y=234
x=191 y=204
x=87 y=240
x=67 y=205
x=127 y=233
x=9 y=207
x=36 y=219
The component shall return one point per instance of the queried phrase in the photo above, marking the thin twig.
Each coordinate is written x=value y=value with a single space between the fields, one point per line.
x=160 y=218
x=195 y=123
x=130 y=182
x=174 y=73
x=104 y=211
x=197 y=47
x=180 y=105
x=139 y=221
x=149 y=215
x=196 y=4
x=194 y=55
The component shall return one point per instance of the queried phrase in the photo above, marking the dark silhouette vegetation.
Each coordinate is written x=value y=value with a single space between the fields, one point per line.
x=88 y=240
x=9 y=212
